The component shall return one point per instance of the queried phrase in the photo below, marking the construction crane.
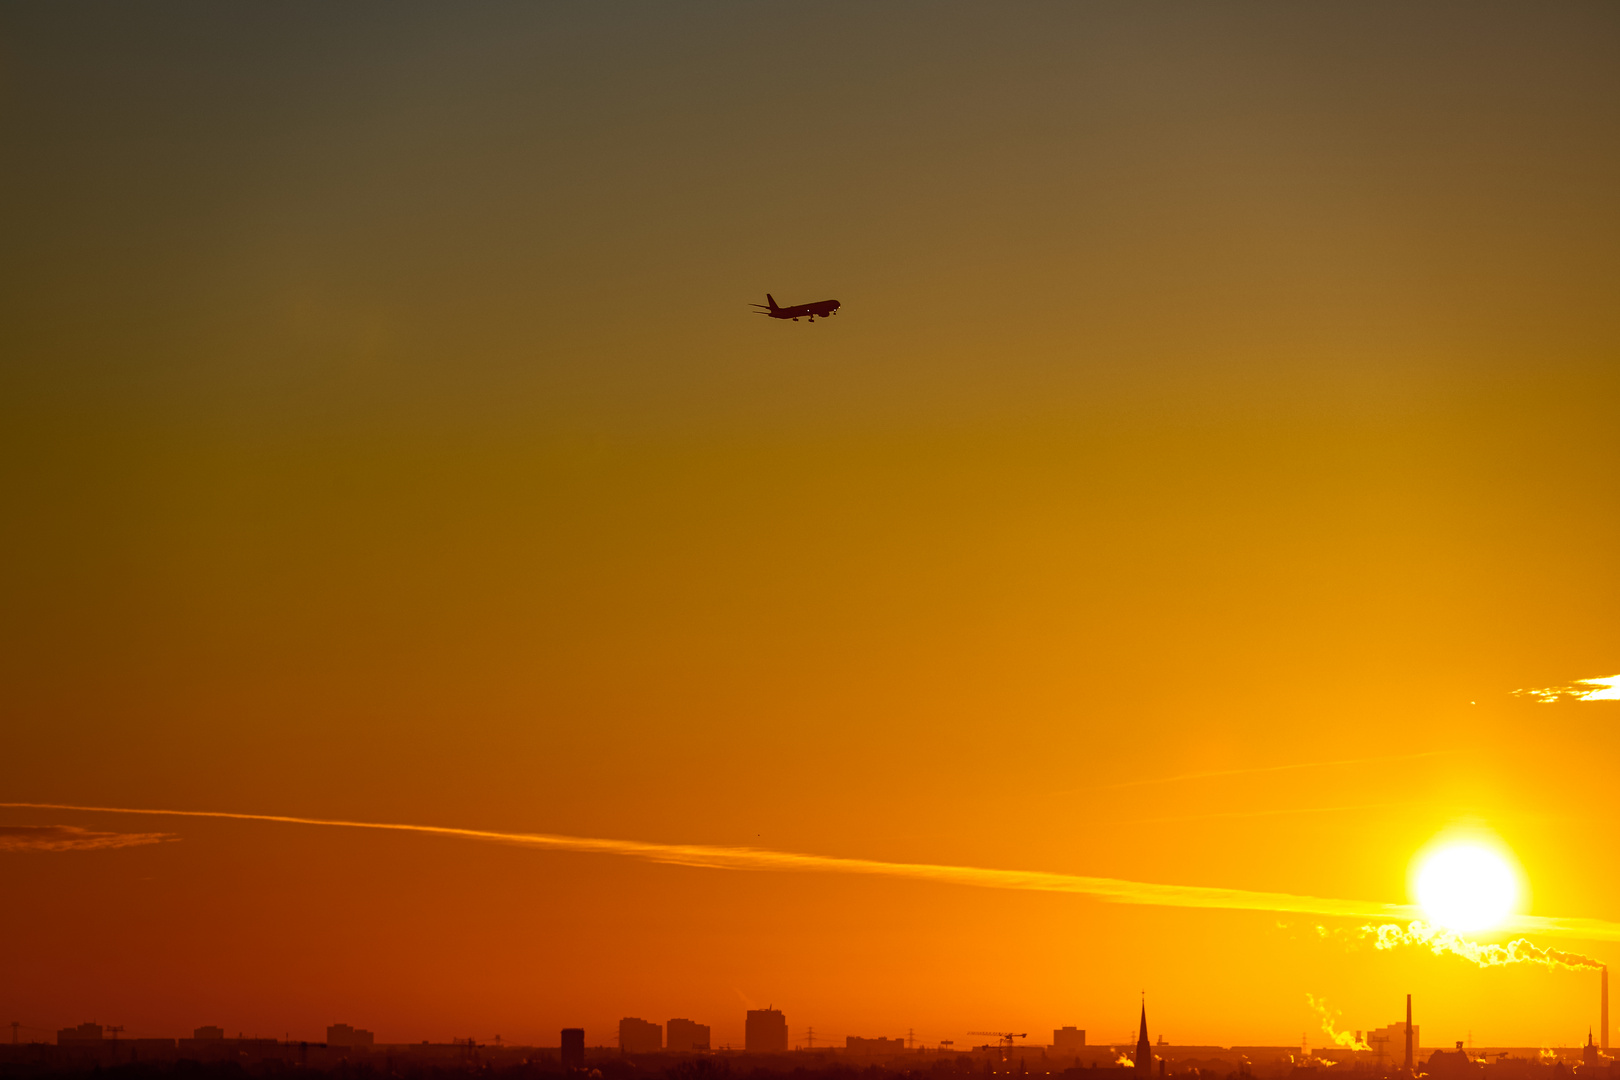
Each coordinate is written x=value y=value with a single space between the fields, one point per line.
x=1004 y=1039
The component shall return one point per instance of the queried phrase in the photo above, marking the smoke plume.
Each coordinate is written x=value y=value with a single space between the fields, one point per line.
x=1340 y=1038
x=1440 y=942
x=1604 y=689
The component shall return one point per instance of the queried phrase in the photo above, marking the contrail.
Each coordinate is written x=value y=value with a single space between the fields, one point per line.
x=1111 y=890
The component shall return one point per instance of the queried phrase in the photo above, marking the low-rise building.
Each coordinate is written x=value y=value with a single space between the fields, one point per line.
x=352 y=1038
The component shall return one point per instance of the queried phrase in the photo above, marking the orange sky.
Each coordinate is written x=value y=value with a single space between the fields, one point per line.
x=385 y=436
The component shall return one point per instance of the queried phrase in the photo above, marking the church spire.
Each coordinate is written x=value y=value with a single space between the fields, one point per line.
x=1144 y=1049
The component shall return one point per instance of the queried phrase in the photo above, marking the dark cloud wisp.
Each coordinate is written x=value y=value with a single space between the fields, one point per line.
x=72 y=838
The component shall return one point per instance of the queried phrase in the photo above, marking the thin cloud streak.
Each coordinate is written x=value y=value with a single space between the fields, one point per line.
x=71 y=838
x=1275 y=769
x=1281 y=812
x=1110 y=890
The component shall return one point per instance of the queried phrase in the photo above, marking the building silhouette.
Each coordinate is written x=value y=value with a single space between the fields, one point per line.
x=1144 y=1049
x=857 y=1045
x=765 y=1031
x=637 y=1036
x=346 y=1036
x=1387 y=1041
x=573 y=1048
x=1453 y=1065
x=1591 y=1053
x=208 y=1032
x=686 y=1035
x=1068 y=1040
x=87 y=1032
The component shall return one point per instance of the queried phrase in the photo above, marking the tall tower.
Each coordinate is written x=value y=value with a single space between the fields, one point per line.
x=1603 y=1012
x=1144 y=1049
x=1408 y=1032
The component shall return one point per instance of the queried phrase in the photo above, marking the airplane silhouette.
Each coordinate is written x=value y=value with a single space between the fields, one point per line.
x=824 y=308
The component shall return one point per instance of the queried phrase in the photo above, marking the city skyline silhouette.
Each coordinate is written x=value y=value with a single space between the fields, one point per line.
x=436 y=614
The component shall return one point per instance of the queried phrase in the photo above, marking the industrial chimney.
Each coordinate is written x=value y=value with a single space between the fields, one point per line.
x=1408 y=1033
x=1603 y=1012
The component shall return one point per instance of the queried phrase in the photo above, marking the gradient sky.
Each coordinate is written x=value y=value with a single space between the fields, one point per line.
x=384 y=436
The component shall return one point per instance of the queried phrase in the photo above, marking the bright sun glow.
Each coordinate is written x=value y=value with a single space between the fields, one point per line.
x=1466 y=886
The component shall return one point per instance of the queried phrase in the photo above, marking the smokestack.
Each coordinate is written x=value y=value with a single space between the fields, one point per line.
x=1603 y=1012
x=1408 y=1032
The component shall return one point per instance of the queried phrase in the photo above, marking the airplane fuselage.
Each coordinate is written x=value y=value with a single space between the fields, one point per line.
x=823 y=308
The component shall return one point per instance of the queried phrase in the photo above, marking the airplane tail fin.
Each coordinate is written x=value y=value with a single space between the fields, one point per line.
x=771 y=300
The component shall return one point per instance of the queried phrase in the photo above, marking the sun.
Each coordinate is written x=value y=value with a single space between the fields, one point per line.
x=1466 y=885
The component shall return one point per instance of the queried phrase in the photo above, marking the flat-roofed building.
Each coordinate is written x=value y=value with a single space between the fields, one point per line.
x=349 y=1037
x=88 y=1032
x=638 y=1036
x=573 y=1048
x=855 y=1044
x=208 y=1032
x=1068 y=1040
x=765 y=1031
x=685 y=1035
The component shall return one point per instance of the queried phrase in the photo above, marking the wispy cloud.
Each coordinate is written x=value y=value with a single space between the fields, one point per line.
x=1110 y=890
x=1606 y=688
x=71 y=838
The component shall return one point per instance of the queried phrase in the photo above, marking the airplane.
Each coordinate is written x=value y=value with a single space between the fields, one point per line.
x=824 y=308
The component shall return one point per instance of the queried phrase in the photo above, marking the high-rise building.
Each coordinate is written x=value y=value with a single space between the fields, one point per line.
x=1144 y=1049
x=573 y=1048
x=685 y=1035
x=765 y=1031
x=637 y=1036
x=1068 y=1040
x=344 y=1035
